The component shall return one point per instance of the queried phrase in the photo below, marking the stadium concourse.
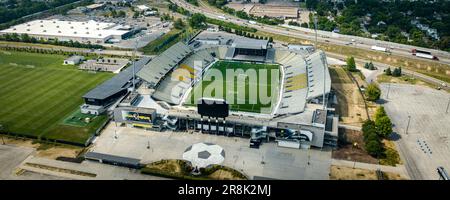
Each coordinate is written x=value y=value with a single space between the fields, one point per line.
x=299 y=114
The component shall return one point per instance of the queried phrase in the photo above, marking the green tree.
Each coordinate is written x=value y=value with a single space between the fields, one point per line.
x=388 y=71
x=178 y=24
x=368 y=128
x=380 y=113
x=136 y=14
x=373 y=92
x=384 y=126
x=374 y=147
x=397 y=72
x=197 y=20
x=351 y=65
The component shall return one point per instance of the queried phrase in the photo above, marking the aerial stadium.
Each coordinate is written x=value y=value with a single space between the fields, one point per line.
x=235 y=87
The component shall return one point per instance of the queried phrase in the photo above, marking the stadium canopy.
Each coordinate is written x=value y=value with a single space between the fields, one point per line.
x=117 y=83
x=250 y=44
x=159 y=66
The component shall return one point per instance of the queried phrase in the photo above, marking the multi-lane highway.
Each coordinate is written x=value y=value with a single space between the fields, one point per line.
x=309 y=34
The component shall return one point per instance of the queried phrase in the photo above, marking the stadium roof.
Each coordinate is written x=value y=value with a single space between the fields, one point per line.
x=58 y=28
x=159 y=66
x=250 y=43
x=316 y=75
x=117 y=83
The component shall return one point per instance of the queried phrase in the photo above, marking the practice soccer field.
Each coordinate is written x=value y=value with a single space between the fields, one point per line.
x=242 y=102
x=37 y=93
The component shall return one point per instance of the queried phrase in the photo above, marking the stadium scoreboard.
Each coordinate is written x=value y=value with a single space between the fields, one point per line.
x=213 y=107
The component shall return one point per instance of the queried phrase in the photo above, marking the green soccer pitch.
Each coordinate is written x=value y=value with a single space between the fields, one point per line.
x=233 y=87
x=37 y=93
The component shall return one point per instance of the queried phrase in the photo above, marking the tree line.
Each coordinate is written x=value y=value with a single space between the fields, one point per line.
x=390 y=19
x=14 y=9
x=375 y=131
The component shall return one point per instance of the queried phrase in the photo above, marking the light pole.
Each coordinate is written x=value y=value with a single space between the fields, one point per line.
x=315 y=28
x=389 y=88
x=1 y=129
x=448 y=105
x=134 y=64
x=407 y=126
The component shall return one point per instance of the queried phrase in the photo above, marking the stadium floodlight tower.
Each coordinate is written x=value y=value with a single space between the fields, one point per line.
x=325 y=64
x=315 y=28
x=134 y=66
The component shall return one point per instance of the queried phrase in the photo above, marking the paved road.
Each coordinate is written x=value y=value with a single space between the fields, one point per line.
x=421 y=125
x=309 y=34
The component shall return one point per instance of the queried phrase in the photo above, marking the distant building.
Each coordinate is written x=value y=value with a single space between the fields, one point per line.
x=83 y=32
x=150 y=13
x=95 y=6
x=114 y=65
x=432 y=32
x=73 y=60
x=142 y=8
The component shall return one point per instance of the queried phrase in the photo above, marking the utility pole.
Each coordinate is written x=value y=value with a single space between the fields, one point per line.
x=325 y=64
x=407 y=126
x=1 y=129
x=315 y=28
x=389 y=88
x=134 y=65
x=448 y=104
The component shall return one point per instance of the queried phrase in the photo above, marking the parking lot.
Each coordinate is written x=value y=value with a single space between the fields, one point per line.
x=269 y=161
x=424 y=144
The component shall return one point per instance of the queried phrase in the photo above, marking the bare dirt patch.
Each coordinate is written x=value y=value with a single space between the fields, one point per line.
x=348 y=173
x=351 y=107
x=51 y=151
x=351 y=147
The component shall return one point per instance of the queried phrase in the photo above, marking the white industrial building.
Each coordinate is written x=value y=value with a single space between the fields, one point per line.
x=84 y=32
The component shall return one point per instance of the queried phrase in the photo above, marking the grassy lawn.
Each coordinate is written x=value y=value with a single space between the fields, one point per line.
x=404 y=79
x=213 y=87
x=38 y=93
